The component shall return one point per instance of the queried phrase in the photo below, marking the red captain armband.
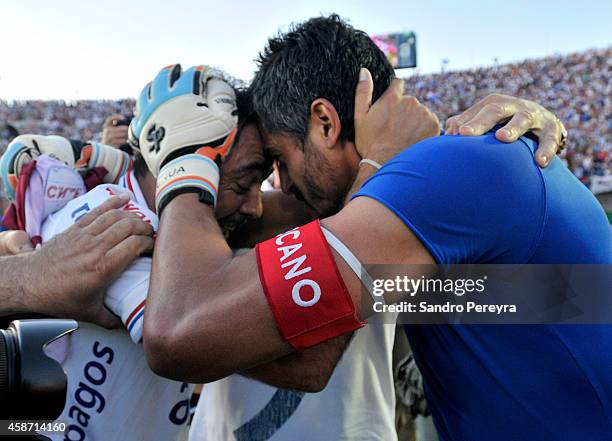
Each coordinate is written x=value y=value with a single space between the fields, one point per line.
x=304 y=288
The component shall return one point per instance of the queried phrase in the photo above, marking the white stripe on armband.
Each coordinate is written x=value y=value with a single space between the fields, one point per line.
x=352 y=261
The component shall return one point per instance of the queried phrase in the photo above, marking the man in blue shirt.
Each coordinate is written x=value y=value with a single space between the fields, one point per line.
x=519 y=382
x=447 y=199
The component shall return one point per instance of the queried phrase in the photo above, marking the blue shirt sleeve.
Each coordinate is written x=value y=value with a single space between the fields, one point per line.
x=468 y=199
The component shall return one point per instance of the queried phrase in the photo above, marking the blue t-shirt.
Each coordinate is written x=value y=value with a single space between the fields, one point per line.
x=476 y=200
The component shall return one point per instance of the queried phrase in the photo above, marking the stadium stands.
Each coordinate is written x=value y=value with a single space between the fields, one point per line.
x=576 y=87
x=77 y=120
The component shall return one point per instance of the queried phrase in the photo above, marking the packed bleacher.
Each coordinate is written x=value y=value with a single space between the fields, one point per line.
x=76 y=120
x=576 y=87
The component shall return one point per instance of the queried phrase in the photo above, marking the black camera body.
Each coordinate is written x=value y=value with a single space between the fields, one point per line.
x=123 y=122
x=32 y=385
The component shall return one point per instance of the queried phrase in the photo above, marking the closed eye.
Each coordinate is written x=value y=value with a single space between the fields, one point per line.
x=241 y=189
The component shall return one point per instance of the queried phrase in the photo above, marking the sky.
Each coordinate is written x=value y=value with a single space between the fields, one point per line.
x=69 y=49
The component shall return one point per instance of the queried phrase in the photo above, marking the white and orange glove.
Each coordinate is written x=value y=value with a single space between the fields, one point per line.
x=75 y=154
x=115 y=161
x=184 y=126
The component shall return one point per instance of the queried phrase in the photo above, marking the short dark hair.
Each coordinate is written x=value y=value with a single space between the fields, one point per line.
x=319 y=58
x=140 y=166
x=244 y=108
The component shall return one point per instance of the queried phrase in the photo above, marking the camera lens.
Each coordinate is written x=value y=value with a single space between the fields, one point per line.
x=3 y=366
x=8 y=361
x=32 y=385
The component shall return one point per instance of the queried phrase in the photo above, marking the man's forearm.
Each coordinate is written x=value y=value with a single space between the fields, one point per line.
x=196 y=285
x=196 y=293
x=308 y=370
x=18 y=278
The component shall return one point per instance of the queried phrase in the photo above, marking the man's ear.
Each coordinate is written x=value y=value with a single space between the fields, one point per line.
x=324 y=122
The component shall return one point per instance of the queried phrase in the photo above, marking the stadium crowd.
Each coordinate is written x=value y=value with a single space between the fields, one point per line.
x=75 y=120
x=575 y=87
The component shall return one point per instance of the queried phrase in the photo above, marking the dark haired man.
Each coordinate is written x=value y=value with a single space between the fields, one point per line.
x=212 y=314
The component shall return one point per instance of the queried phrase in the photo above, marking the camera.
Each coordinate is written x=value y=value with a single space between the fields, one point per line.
x=124 y=122
x=32 y=385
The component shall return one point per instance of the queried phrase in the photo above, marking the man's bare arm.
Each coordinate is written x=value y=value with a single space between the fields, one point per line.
x=16 y=297
x=207 y=314
x=522 y=115
x=308 y=370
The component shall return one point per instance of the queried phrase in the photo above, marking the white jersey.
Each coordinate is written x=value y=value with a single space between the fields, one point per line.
x=112 y=393
x=358 y=403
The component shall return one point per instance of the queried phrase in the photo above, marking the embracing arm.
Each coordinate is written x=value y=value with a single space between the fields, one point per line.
x=17 y=297
x=203 y=309
x=207 y=314
x=522 y=116
x=308 y=370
